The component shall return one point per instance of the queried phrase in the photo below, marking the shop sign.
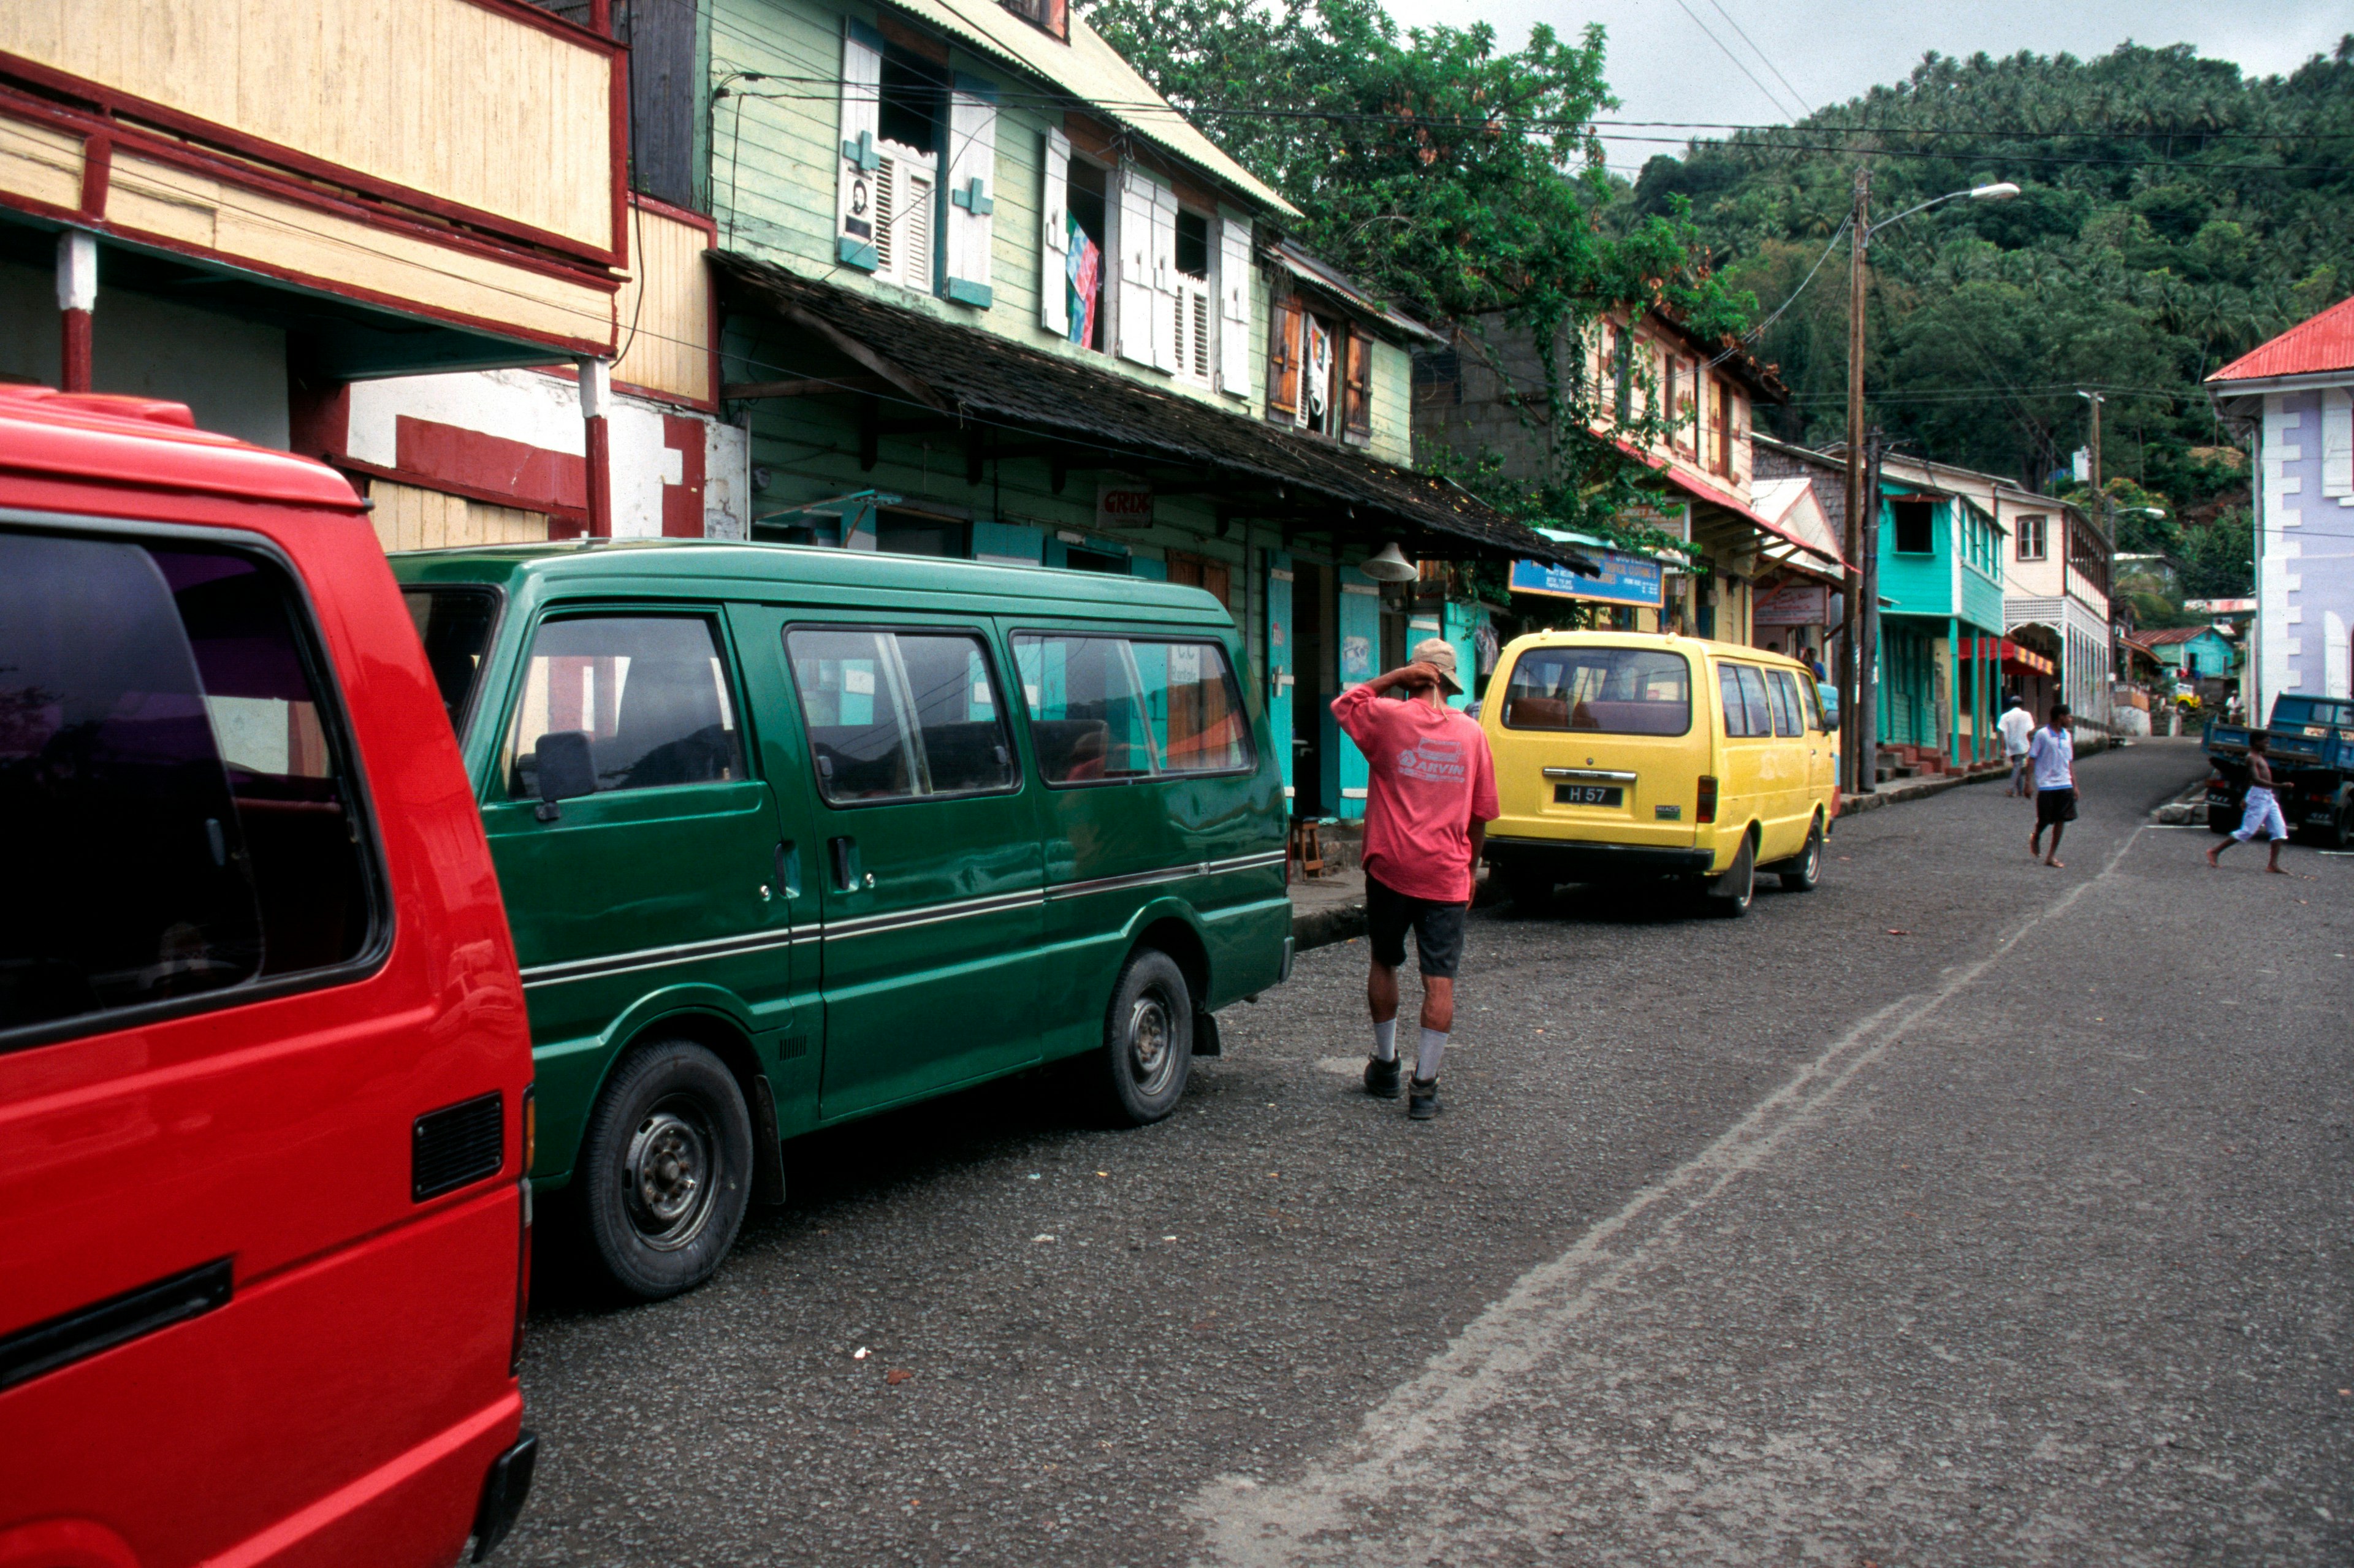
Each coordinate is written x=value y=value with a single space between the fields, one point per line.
x=1624 y=580
x=1796 y=604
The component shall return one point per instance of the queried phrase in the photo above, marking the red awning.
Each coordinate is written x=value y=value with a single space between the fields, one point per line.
x=2023 y=661
x=1702 y=490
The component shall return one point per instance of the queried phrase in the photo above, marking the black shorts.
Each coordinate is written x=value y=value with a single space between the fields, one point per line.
x=2054 y=806
x=1437 y=929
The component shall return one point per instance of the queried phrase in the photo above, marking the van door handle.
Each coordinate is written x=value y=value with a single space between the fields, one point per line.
x=789 y=868
x=843 y=851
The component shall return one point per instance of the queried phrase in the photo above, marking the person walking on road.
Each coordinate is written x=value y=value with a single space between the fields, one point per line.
x=2052 y=757
x=1428 y=802
x=2262 y=809
x=2018 y=726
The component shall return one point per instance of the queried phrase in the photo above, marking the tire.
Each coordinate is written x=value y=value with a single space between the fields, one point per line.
x=1148 y=1050
x=1531 y=889
x=1729 y=893
x=1804 y=873
x=666 y=1170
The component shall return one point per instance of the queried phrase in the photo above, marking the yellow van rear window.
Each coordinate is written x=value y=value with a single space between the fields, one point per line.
x=1610 y=691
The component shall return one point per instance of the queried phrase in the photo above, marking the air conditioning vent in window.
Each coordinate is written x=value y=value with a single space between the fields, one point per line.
x=457 y=1144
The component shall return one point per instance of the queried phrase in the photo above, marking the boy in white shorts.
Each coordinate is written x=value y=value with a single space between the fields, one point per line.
x=2263 y=810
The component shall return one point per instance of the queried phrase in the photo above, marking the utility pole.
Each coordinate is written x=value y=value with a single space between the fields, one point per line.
x=1854 y=658
x=2109 y=525
x=1866 y=704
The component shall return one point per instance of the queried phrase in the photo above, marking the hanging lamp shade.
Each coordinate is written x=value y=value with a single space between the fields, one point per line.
x=1390 y=566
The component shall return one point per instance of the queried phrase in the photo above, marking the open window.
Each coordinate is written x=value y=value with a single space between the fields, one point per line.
x=1071 y=245
x=899 y=112
x=1052 y=16
x=1911 y=523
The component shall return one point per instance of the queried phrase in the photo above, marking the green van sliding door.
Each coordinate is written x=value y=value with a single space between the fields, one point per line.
x=926 y=855
x=660 y=877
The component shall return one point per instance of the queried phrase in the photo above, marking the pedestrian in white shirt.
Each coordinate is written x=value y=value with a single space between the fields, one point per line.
x=2018 y=726
x=2052 y=756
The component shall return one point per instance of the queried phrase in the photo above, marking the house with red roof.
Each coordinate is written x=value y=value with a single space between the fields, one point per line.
x=2294 y=399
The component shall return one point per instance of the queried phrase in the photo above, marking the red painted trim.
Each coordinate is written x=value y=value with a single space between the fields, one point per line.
x=656 y=395
x=318 y=416
x=517 y=472
x=600 y=478
x=682 y=503
x=575 y=518
x=97 y=173
x=688 y=216
x=110 y=104
x=74 y=368
x=617 y=109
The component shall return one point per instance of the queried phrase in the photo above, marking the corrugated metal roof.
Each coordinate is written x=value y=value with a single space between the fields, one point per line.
x=2323 y=343
x=1092 y=72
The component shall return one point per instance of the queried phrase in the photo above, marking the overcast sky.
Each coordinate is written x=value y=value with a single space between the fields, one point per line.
x=1665 y=65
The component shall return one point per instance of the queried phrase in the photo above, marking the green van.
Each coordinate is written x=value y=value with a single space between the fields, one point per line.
x=789 y=836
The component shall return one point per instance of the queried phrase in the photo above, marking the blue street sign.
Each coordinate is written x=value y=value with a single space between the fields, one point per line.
x=1624 y=580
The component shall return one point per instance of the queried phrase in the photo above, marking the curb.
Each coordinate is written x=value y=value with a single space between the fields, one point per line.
x=1323 y=927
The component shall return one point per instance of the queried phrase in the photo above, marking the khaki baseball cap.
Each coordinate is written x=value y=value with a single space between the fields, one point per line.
x=1439 y=654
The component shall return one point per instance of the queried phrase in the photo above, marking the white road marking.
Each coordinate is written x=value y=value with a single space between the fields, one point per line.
x=1413 y=1432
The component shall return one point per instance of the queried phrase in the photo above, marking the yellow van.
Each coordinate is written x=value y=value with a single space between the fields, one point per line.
x=1625 y=756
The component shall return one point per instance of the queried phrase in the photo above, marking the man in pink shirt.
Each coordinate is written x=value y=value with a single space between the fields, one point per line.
x=1432 y=796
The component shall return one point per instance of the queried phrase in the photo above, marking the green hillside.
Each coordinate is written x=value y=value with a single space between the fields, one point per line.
x=2173 y=214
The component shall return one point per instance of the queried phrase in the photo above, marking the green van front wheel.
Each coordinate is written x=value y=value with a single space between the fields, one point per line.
x=1147 y=1050
x=666 y=1169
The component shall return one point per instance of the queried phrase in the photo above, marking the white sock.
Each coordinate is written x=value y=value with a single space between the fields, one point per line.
x=1433 y=1046
x=1386 y=1040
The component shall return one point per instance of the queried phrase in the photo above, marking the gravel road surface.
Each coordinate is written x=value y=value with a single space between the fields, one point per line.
x=1963 y=1211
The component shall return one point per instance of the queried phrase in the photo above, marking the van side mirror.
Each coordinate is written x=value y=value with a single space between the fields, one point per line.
x=567 y=770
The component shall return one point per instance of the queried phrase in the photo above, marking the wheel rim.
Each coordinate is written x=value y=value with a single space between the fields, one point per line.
x=1812 y=864
x=1152 y=1044
x=668 y=1177
x=1748 y=880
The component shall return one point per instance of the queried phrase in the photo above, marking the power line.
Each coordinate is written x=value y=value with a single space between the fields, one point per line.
x=1762 y=55
x=1739 y=63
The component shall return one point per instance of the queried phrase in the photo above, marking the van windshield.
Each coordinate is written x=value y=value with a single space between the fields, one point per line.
x=2311 y=710
x=1614 y=691
x=454 y=624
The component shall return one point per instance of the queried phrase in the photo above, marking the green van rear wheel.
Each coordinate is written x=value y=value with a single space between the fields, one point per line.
x=1147 y=1050
x=665 y=1169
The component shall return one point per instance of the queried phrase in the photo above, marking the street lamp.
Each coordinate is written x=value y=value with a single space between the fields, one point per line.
x=1857 y=620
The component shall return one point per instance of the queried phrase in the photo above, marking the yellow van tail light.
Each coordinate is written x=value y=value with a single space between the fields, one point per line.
x=1707 y=810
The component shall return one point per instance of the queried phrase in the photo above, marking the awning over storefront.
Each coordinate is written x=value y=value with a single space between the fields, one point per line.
x=2012 y=656
x=1009 y=400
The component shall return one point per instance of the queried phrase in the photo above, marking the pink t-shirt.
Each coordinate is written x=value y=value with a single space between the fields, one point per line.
x=1431 y=777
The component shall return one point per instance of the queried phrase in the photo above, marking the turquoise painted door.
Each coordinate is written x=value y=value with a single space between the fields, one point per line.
x=1280 y=678
x=1360 y=617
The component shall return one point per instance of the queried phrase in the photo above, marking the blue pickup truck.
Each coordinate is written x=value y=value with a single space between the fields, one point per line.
x=2312 y=752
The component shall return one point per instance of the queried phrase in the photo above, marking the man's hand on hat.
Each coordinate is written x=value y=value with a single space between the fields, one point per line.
x=1411 y=675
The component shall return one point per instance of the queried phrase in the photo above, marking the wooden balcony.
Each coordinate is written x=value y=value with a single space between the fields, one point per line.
x=450 y=161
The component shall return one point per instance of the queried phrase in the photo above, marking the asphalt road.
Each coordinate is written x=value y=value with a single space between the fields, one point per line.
x=1961 y=1212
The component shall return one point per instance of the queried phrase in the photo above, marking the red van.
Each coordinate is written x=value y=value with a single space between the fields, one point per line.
x=264 y=1069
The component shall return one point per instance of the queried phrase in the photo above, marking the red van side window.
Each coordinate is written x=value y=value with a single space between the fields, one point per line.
x=170 y=781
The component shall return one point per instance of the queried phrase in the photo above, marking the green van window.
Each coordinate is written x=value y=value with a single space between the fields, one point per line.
x=893 y=715
x=1119 y=707
x=647 y=692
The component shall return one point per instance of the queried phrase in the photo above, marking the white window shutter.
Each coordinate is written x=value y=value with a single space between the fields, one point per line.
x=1132 y=270
x=2338 y=441
x=1168 y=301
x=860 y=155
x=972 y=189
x=1055 y=236
x=1235 y=307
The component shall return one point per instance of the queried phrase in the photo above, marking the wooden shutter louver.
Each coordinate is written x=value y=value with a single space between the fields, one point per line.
x=1055 y=236
x=1234 y=306
x=1132 y=266
x=1284 y=321
x=860 y=154
x=972 y=189
x=1357 y=387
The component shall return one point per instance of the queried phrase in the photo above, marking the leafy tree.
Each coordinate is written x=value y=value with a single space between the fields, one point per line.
x=1463 y=181
x=2173 y=214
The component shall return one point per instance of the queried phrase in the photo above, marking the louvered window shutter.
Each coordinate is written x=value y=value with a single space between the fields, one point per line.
x=1357 y=388
x=2337 y=442
x=861 y=154
x=1283 y=357
x=1168 y=299
x=1133 y=272
x=1055 y=236
x=972 y=189
x=1234 y=307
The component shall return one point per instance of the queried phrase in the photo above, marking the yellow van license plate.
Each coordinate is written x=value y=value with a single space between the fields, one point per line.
x=1586 y=794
